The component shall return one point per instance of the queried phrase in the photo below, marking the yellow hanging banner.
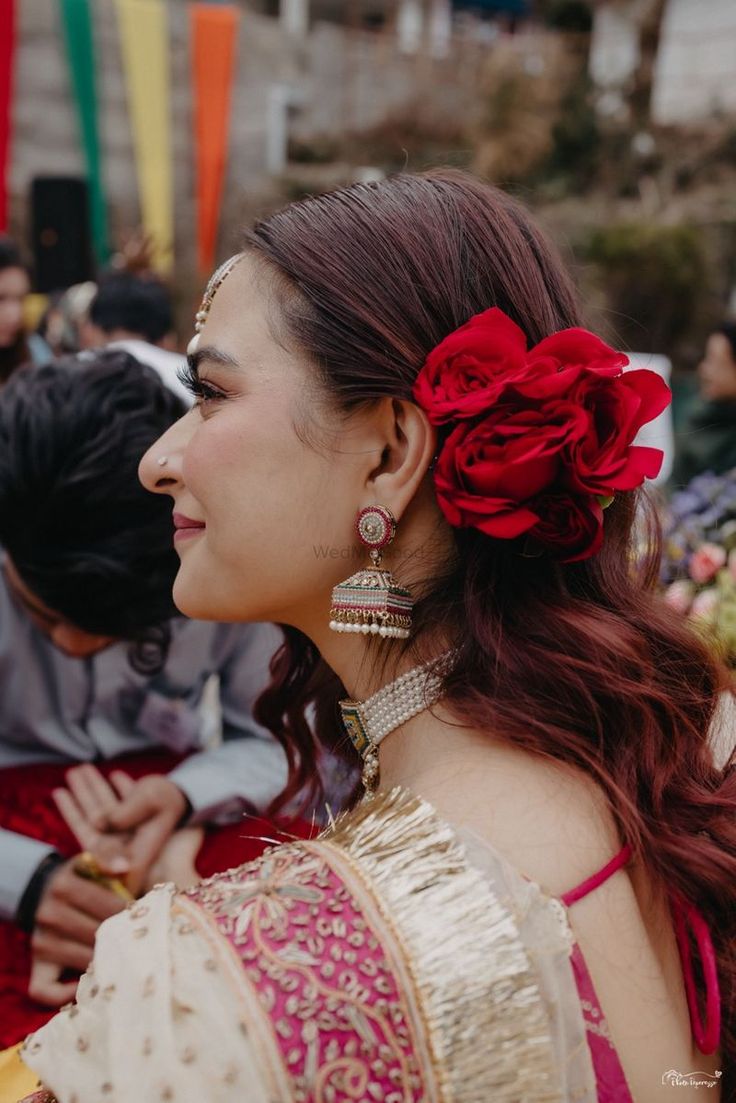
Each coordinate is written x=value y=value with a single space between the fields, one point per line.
x=145 y=49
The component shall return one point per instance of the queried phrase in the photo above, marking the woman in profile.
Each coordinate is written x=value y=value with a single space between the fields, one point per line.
x=536 y=900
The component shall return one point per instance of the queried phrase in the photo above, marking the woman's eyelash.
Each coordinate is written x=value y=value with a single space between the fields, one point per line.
x=198 y=387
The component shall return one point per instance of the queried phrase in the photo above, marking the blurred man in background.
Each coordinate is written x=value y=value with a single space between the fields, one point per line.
x=96 y=667
x=708 y=441
x=134 y=313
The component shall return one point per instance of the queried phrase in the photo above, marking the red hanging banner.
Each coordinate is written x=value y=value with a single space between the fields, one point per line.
x=7 y=54
x=214 y=36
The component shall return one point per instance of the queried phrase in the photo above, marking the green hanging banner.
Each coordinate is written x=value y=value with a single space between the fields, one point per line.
x=77 y=27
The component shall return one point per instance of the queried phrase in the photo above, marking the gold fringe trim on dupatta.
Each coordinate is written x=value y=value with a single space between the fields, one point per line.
x=487 y=1023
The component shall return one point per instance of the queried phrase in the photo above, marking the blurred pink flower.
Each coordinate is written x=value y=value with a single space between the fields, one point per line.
x=679 y=595
x=705 y=605
x=706 y=562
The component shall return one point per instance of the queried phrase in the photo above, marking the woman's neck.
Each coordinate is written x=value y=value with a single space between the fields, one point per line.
x=429 y=751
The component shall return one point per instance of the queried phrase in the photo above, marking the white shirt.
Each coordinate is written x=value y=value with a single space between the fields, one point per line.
x=167 y=364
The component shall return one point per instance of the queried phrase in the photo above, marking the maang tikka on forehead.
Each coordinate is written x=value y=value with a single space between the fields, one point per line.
x=215 y=283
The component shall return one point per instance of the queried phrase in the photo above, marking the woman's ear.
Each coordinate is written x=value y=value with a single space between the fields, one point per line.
x=410 y=445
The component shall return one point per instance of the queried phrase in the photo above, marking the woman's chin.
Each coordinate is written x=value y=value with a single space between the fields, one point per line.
x=201 y=592
x=192 y=600
x=197 y=599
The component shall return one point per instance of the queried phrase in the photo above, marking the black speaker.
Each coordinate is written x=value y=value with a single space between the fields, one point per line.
x=62 y=250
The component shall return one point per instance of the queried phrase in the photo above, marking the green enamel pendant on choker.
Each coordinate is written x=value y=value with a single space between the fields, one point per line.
x=368 y=722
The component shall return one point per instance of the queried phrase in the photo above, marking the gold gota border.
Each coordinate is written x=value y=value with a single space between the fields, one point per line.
x=487 y=1024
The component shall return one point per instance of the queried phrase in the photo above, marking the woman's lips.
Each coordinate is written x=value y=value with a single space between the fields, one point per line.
x=185 y=528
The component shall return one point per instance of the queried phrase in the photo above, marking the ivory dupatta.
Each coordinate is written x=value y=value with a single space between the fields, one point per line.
x=375 y=963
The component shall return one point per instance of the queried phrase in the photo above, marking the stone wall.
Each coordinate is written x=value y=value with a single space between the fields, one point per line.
x=343 y=79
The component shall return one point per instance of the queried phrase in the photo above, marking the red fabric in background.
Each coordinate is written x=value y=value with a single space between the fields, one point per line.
x=26 y=806
x=214 y=32
x=7 y=54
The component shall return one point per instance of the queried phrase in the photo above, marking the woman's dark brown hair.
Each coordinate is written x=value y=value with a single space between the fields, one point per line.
x=582 y=662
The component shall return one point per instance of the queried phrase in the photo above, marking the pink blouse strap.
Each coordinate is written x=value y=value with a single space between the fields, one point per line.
x=598 y=878
x=687 y=919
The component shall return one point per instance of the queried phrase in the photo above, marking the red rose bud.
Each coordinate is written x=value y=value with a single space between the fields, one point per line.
x=569 y=526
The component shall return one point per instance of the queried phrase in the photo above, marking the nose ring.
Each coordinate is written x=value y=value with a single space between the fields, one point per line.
x=162 y=461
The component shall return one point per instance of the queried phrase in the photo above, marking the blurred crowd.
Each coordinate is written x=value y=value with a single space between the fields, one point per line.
x=129 y=308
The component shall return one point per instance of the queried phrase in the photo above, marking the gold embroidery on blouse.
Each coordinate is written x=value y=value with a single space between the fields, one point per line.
x=454 y=998
x=487 y=1023
x=255 y=908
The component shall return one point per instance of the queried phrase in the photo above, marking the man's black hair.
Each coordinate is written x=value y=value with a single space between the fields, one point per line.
x=136 y=304
x=81 y=531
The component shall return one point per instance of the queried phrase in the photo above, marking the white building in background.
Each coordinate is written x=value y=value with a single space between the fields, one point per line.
x=422 y=24
x=281 y=99
x=695 y=70
x=614 y=55
x=440 y=28
x=410 y=26
x=695 y=74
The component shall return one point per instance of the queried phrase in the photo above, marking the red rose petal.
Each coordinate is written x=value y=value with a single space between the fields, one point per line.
x=578 y=347
x=653 y=393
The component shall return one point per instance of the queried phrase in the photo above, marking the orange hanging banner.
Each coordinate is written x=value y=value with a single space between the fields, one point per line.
x=214 y=37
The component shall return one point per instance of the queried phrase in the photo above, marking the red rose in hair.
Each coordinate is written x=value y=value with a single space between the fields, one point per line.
x=577 y=348
x=604 y=460
x=489 y=470
x=466 y=372
x=541 y=435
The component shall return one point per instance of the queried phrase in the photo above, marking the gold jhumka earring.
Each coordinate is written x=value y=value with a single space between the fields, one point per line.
x=371 y=601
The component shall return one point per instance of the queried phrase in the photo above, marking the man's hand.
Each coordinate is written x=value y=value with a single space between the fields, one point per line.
x=68 y=915
x=140 y=815
x=130 y=830
x=46 y=986
x=176 y=862
x=85 y=807
x=151 y=809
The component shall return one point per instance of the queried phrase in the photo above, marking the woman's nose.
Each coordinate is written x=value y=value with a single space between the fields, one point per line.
x=160 y=468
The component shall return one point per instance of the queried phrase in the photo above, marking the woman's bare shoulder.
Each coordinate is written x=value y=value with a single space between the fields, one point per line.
x=552 y=821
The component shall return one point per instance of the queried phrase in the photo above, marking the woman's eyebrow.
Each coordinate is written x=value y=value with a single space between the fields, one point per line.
x=214 y=356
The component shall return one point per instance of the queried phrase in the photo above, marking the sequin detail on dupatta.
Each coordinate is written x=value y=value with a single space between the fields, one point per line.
x=386 y=965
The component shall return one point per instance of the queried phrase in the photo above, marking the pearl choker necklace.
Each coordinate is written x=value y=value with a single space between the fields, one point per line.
x=369 y=722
